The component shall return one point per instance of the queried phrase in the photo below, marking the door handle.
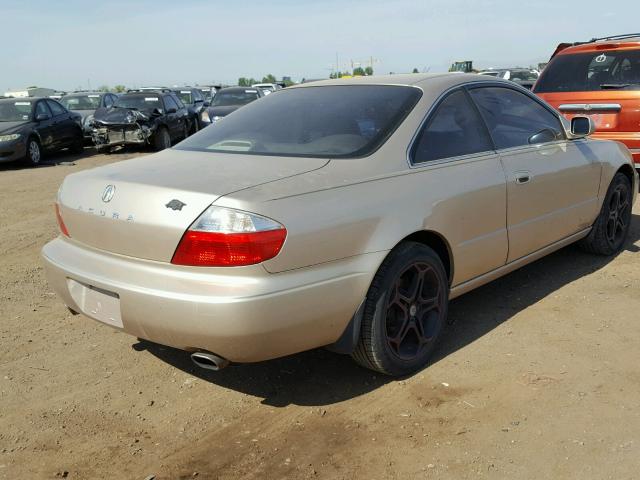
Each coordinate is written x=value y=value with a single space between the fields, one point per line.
x=523 y=177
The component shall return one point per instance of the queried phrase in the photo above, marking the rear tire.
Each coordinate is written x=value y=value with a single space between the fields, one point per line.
x=34 y=152
x=161 y=139
x=611 y=228
x=405 y=311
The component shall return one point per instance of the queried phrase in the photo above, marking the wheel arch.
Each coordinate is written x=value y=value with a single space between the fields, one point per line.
x=36 y=135
x=437 y=243
x=627 y=170
x=347 y=342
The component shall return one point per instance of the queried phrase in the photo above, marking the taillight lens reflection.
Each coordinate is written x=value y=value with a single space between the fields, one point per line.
x=61 y=225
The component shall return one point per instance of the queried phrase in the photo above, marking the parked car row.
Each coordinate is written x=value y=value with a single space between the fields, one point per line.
x=149 y=116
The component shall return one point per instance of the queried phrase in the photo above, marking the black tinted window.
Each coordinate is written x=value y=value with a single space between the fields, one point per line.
x=514 y=118
x=579 y=72
x=332 y=121
x=41 y=108
x=454 y=129
x=170 y=103
x=56 y=108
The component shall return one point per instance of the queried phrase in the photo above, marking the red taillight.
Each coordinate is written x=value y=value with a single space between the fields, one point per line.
x=61 y=225
x=214 y=249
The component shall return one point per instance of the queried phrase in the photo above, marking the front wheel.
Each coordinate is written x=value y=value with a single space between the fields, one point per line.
x=611 y=228
x=162 y=139
x=405 y=311
x=34 y=153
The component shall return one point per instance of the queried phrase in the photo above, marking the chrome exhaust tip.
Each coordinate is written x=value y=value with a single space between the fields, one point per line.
x=209 y=361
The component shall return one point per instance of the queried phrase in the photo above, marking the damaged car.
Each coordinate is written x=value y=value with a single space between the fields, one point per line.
x=85 y=104
x=141 y=117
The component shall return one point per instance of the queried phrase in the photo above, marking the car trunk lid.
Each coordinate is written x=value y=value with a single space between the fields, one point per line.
x=142 y=207
x=611 y=110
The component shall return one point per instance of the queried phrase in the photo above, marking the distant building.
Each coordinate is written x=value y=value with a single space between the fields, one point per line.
x=30 y=92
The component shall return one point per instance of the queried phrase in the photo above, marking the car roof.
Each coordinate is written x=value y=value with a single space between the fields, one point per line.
x=425 y=81
x=27 y=99
x=631 y=41
x=83 y=92
x=237 y=89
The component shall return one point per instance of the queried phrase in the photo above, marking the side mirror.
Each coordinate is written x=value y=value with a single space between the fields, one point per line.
x=543 y=136
x=157 y=112
x=206 y=104
x=582 y=127
x=41 y=117
x=171 y=110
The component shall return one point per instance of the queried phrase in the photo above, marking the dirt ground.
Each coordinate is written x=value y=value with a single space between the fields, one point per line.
x=538 y=378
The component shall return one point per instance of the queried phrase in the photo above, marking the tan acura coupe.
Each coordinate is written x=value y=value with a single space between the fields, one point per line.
x=337 y=213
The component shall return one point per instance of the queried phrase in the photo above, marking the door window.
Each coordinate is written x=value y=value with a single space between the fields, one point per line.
x=41 y=107
x=170 y=103
x=56 y=108
x=515 y=119
x=108 y=101
x=454 y=129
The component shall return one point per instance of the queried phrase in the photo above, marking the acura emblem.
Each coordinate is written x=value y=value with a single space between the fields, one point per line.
x=107 y=195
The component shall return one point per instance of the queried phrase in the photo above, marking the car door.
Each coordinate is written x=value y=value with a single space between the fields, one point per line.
x=44 y=127
x=173 y=118
x=456 y=158
x=552 y=182
x=65 y=128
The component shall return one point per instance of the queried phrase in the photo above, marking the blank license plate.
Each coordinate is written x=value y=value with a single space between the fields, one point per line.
x=96 y=303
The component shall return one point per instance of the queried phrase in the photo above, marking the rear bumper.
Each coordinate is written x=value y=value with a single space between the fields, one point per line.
x=243 y=314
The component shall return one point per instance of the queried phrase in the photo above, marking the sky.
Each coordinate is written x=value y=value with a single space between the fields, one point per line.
x=66 y=44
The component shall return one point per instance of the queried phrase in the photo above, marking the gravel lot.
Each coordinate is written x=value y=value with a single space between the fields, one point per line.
x=538 y=378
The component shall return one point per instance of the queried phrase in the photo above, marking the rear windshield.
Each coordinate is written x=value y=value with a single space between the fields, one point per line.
x=332 y=121
x=593 y=71
x=139 y=101
x=81 y=102
x=235 y=97
x=185 y=96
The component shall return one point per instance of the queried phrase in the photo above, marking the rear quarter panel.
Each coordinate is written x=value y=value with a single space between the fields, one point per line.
x=462 y=201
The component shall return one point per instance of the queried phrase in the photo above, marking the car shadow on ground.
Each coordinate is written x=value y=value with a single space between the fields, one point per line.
x=319 y=377
x=65 y=157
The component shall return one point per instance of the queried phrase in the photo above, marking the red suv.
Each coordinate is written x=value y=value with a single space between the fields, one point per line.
x=599 y=78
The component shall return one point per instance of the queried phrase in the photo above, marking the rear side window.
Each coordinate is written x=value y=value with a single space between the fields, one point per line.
x=514 y=119
x=454 y=129
x=335 y=121
x=593 y=71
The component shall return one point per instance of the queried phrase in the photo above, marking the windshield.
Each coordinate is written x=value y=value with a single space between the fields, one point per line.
x=15 y=111
x=81 y=102
x=138 y=102
x=522 y=75
x=584 y=72
x=326 y=122
x=185 y=96
x=236 y=97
